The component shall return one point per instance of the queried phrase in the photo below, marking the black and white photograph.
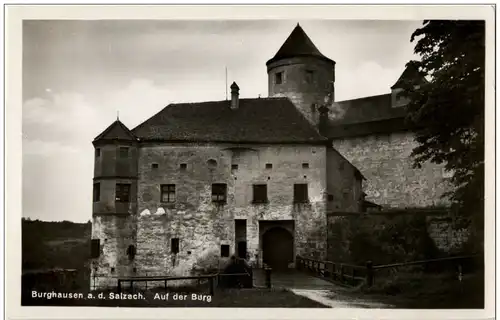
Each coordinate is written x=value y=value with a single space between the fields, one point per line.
x=293 y=163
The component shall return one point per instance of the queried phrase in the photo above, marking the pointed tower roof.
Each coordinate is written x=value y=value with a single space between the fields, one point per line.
x=298 y=44
x=116 y=131
x=411 y=75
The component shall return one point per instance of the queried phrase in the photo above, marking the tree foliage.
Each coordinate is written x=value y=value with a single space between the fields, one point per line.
x=447 y=110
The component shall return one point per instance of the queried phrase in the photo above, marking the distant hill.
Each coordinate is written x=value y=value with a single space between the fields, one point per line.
x=49 y=245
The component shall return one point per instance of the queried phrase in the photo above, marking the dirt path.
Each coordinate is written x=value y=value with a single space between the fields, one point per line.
x=333 y=299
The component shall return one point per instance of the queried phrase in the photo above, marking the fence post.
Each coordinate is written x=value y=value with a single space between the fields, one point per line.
x=119 y=286
x=268 y=277
x=369 y=273
x=342 y=273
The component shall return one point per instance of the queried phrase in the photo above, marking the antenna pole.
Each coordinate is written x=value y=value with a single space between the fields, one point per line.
x=226 y=83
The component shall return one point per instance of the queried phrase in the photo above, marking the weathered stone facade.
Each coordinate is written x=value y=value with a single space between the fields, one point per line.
x=391 y=180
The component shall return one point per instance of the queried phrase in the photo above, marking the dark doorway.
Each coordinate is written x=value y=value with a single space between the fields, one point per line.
x=242 y=249
x=277 y=245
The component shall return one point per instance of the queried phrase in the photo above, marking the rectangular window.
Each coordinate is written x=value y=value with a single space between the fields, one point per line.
x=309 y=76
x=219 y=192
x=305 y=165
x=174 y=245
x=122 y=192
x=279 y=77
x=259 y=193
x=123 y=152
x=168 y=193
x=183 y=166
x=224 y=250
x=154 y=165
x=95 y=248
x=97 y=152
x=300 y=193
x=269 y=165
x=234 y=167
x=97 y=192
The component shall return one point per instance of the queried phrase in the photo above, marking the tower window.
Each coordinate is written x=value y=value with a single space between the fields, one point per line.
x=174 y=245
x=305 y=165
x=168 y=193
x=97 y=192
x=123 y=152
x=259 y=193
x=183 y=166
x=269 y=165
x=95 y=248
x=97 y=152
x=300 y=193
x=224 y=250
x=309 y=76
x=122 y=192
x=131 y=252
x=234 y=167
x=219 y=192
x=154 y=166
x=279 y=77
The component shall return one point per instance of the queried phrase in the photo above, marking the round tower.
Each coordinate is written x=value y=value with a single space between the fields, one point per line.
x=302 y=73
x=114 y=205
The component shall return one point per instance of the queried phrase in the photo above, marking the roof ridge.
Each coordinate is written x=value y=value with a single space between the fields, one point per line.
x=363 y=98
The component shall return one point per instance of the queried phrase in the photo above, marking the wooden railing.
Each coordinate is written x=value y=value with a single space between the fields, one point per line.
x=213 y=280
x=355 y=274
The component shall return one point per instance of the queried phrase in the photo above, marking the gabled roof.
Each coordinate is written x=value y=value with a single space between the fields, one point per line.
x=298 y=44
x=116 y=131
x=262 y=120
x=411 y=75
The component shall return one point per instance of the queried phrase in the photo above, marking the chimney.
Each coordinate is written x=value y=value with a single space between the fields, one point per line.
x=235 y=92
x=323 y=120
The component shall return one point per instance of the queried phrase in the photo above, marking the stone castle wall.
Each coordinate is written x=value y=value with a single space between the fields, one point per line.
x=203 y=226
x=390 y=179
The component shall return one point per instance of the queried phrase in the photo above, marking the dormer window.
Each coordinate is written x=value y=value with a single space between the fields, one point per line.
x=279 y=77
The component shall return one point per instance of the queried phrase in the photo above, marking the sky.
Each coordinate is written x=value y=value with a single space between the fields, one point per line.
x=77 y=75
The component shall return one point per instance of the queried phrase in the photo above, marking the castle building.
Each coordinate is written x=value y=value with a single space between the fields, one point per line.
x=199 y=182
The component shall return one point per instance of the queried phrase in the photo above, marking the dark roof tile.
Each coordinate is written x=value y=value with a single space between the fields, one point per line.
x=116 y=131
x=262 y=120
x=298 y=44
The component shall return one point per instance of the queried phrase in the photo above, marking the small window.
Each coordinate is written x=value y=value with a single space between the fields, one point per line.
x=330 y=197
x=269 y=165
x=134 y=270
x=212 y=164
x=97 y=152
x=123 y=152
x=112 y=270
x=300 y=193
x=309 y=76
x=122 y=192
x=174 y=245
x=224 y=250
x=183 y=166
x=168 y=193
x=95 y=248
x=97 y=192
x=305 y=165
x=154 y=166
x=279 y=77
x=259 y=193
x=234 y=167
x=219 y=192
x=131 y=252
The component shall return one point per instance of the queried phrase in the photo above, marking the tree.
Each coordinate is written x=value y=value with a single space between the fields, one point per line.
x=447 y=110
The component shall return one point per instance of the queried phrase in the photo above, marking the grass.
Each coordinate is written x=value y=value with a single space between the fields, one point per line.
x=231 y=298
x=425 y=291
